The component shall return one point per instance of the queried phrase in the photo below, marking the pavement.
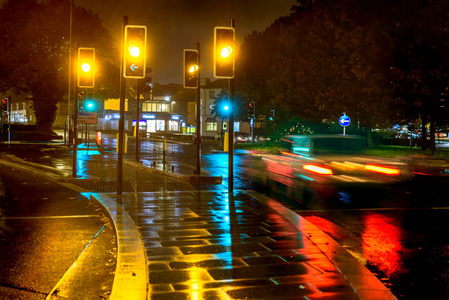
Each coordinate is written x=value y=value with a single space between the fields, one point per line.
x=183 y=236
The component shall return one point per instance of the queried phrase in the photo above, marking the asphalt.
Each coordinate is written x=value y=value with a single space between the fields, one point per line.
x=183 y=236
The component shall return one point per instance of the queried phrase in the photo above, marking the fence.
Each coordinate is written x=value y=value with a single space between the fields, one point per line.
x=177 y=154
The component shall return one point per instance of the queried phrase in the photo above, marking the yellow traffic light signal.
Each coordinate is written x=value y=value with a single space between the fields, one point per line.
x=190 y=69
x=134 y=60
x=86 y=67
x=224 y=52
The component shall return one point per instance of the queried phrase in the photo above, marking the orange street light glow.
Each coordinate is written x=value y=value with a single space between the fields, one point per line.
x=193 y=68
x=85 y=67
x=226 y=51
x=134 y=51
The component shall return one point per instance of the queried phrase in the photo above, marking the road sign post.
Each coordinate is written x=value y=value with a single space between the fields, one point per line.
x=344 y=121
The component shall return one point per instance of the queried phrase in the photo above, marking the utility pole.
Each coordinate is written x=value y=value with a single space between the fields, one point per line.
x=231 y=132
x=121 y=124
x=198 y=115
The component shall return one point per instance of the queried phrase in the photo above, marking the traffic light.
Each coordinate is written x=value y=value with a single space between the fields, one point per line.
x=224 y=52
x=86 y=67
x=251 y=109
x=225 y=109
x=90 y=106
x=4 y=104
x=272 y=113
x=147 y=81
x=190 y=69
x=147 y=84
x=135 y=47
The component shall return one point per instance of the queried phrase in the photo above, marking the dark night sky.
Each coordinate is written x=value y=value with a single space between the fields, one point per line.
x=174 y=25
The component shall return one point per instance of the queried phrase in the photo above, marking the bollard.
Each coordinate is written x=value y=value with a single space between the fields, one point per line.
x=163 y=155
x=154 y=158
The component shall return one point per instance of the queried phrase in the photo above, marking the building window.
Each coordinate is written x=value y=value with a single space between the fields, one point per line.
x=211 y=126
x=160 y=125
x=173 y=125
x=155 y=107
x=163 y=107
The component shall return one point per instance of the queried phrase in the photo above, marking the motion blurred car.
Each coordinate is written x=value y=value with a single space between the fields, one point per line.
x=239 y=137
x=322 y=165
x=242 y=137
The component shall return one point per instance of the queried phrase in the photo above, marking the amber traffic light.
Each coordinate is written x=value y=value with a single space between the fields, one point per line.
x=224 y=52
x=134 y=60
x=86 y=67
x=190 y=68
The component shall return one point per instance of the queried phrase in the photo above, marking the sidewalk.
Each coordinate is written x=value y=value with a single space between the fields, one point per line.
x=180 y=237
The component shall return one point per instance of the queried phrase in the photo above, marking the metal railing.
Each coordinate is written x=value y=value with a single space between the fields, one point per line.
x=176 y=154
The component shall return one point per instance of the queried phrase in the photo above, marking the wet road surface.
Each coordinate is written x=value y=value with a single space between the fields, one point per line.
x=44 y=229
x=399 y=233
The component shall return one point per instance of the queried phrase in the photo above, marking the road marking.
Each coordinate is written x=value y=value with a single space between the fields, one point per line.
x=51 y=217
x=50 y=295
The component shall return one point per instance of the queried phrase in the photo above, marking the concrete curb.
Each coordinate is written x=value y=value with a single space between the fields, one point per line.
x=131 y=276
x=192 y=178
x=365 y=284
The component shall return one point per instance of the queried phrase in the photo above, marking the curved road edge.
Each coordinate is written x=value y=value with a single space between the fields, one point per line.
x=130 y=280
x=364 y=283
x=131 y=276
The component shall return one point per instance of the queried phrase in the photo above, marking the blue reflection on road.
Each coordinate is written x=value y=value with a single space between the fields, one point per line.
x=217 y=165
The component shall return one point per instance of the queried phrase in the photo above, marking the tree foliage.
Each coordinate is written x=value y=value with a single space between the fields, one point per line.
x=35 y=52
x=377 y=60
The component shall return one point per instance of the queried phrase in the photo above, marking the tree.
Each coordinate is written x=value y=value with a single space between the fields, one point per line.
x=379 y=61
x=35 y=52
x=420 y=65
x=327 y=64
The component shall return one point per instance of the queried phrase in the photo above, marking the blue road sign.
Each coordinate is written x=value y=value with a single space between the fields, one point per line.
x=344 y=120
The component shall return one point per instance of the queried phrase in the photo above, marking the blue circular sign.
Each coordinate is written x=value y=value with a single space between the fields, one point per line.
x=344 y=120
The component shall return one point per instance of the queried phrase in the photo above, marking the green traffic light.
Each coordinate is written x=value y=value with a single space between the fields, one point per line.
x=90 y=106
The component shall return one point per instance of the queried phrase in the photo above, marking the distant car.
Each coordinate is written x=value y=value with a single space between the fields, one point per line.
x=242 y=137
x=261 y=139
x=239 y=137
x=322 y=165
x=406 y=134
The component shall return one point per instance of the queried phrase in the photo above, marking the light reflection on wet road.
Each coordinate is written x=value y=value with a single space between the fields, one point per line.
x=399 y=234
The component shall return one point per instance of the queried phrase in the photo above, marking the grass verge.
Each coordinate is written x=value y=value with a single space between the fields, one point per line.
x=383 y=151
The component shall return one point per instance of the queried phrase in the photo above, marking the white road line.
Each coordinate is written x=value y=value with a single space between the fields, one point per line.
x=50 y=295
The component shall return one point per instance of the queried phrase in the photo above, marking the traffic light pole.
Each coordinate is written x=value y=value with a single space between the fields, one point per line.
x=198 y=116
x=138 y=117
x=231 y=134
x=9 y=119
x=75 y=132
x=122 y=117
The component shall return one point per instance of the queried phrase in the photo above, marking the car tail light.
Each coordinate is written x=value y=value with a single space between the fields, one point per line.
x=382 y=170
x=290 y=154
x=322 y=170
